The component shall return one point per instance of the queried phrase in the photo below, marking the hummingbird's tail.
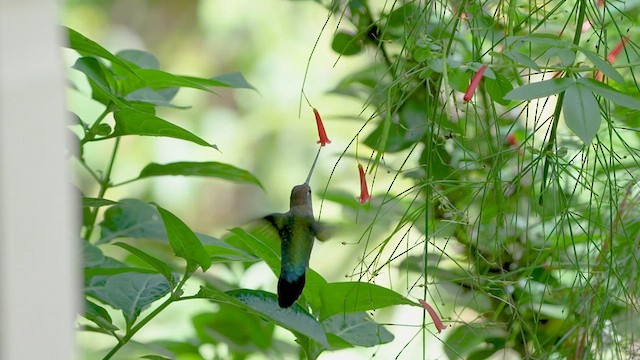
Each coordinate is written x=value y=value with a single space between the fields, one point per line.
x=289 y=291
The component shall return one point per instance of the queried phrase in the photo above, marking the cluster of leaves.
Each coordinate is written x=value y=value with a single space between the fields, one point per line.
x=520 y=219
x=147 y=276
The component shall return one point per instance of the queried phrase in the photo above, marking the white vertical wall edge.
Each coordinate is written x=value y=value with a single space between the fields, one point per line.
x=38 y=237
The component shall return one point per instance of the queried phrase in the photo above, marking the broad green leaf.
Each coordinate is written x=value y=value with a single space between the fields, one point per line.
x=313 y=349
x=546 y=39
x=498 y=88
x=346 y=44
x=567 y=56
x=183 y=241
x=96 y=202
x=158 y=79
x=465 y=339
x=136 y=219
x=209 y=169
x=459 y=80
x=352 y=297
x=139 y=58
x=92 y=255
x=603 y=66
x=265 y=304
x=98 y=315
x=357 y=329
x=581 y=112
x=97 y=75
x=242 y=331
x=177 y=349
x=157 y=264
x=135 y=122
x=131 y=292
x=220 y=251
x=102 y=271
x=610 y=93
x=521 y=59
x=260 y=246
x=131 y=218
x=86 y=46
x=154 y=97
x=539 y=89
x=234 y=80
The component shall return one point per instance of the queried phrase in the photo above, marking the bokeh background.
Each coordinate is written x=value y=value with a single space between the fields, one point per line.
x=270 y=132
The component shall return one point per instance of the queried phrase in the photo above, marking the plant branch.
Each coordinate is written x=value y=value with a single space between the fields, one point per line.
x=105 y=184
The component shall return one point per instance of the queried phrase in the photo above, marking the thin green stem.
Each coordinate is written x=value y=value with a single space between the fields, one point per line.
x=105 y=184
x=138 y=326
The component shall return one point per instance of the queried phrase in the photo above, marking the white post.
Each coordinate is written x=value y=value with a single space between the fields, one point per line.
x=39 y=250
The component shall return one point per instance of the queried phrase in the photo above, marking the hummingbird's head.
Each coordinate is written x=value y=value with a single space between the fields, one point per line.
x=301 y=195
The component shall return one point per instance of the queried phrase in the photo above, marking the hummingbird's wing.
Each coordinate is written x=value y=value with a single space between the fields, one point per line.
x=278 y=221
x=321 y=231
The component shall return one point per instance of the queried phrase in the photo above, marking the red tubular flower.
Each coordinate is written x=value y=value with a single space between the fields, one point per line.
x=322 y=133
x=511 y=140
x=434 y=316
x=364 y=190
x=617 y=50
x=475 y=81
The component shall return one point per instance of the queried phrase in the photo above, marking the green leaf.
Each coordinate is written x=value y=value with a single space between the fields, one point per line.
x=581 y=112
x=546 y=39
x=139 y=58
x=351 y=297
x=521 y=59
x=131 y=292
x=183 y=241
x=135 y=122
x=220 y=251
x=265 y=304
x=357 y=329
x=84 y=46
x=160 y=97
x=136 y=219
x=158 y=79
x=610 y=93
x=99 y=78
x=603 y=66
x=242 y=331
x=539 y=89
x=465 y=339
x=92 y=255
x=98 y=315
x=346 y=44
x=498 y=88
x=234 y=80
x=154 y=357
x=260 y=246
x=101 y=271
x=209 y=169
x=157 y=264
x=131 y=218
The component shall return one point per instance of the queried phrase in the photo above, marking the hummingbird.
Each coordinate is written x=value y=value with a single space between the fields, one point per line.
x=297 y=229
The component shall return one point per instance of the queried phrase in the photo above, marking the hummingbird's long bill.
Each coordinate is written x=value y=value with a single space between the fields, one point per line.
x=313 y=166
